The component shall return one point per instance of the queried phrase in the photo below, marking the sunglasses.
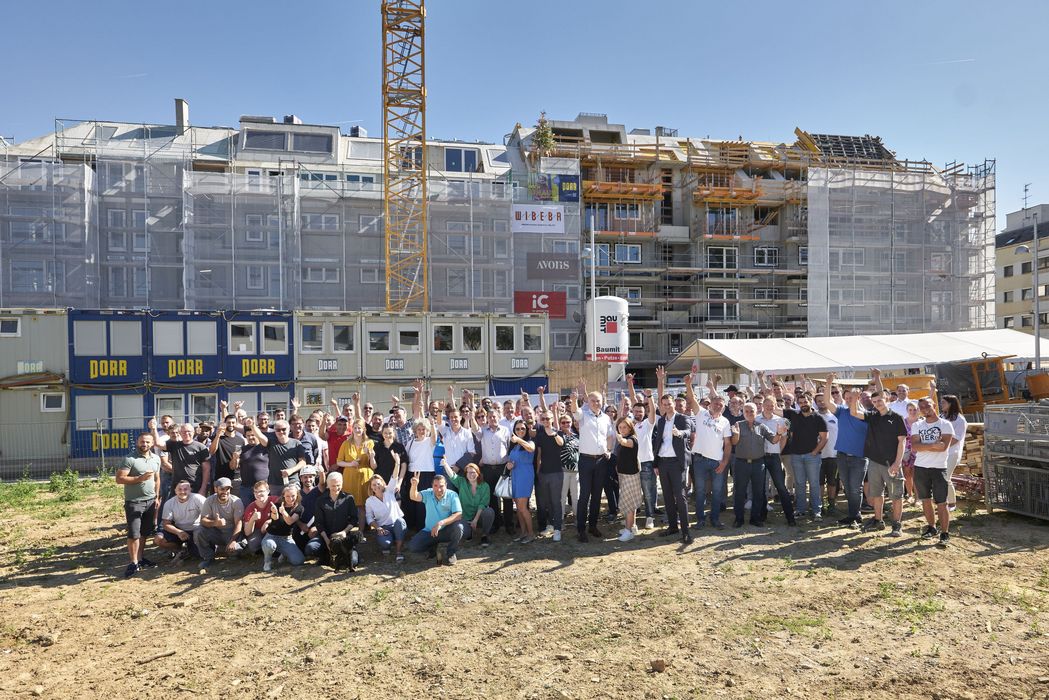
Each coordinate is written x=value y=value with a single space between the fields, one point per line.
x=280 y=430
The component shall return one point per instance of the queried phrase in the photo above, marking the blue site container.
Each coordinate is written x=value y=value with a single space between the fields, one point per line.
x=107 y=347
x=258 y=347
x=186 y=347
x=107 y=420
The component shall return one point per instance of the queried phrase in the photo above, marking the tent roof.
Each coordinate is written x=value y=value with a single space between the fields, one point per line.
x=856 y=352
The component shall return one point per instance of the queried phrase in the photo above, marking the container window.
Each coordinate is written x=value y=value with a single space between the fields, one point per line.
x=242 y=339
x=311 y=337
x=533 y=338
x=10 y=327
x=167 y=338
x=202 y=338
x=89 y=338
x=204 y=407
x=442 y=338
x=342 y=337
x=408 y=340
x=472 y=339
x=127 y=412
x=504 y=339
x=274 y=338
x=379 y=341
x=52 y=403
x=89 y=409
x=125 y=338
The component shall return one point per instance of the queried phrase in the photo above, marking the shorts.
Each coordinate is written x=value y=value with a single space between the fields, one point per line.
x=931 y=483
x=141 y=518
x=829 y=471
x=881 y=481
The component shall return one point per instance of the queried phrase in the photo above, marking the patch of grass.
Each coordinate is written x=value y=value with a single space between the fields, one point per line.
x=800 y=625
x=380 y=595
x=1043 y=580
x=886 y=590
x=999 y=594
x=914 y=609
x=788 y=562
x=19 y=495
x=67 y=485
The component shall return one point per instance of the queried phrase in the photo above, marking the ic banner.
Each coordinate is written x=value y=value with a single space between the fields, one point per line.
x=554 y=304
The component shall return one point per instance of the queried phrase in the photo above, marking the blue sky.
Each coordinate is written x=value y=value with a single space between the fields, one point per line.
x=938 y=80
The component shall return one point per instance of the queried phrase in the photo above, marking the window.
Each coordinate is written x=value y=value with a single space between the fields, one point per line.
x=559 y=246
x=312 y=143
x=503 y=225
x=116 y=218
x=1025 y=268
x=766 y=257
x=501 y=283
x=460 y=160
x=472 y=338
x=442 y=338
x=139 y=242
x=322 y=275
x=52 y=403
x=170 y=405
x=10 y=327
x=504 y=339
x=313 y=396
x=847 y=257
x=408 y=340
x=631 y=294
x=723 y=258
x=571 y=291
x=369 y=223
x=674 y=343
x=803 y=255
x=241 y=338
x=502 y=247
x=117 y=282
x=1025 y=294
x=203 y=407
x=369 y=275
x=256 y=277
x=265 y=140
x=311 y=337
x=637 y=340
x=30 y=276
x=628 y=253
x=274 y=338
x=532 y=338
x=627 y=211
x=167 y=338
x=116 y=241
x=457 y=243
x=719 y=310
x=1026 y=321
x=1007 y=271
x=342 y=337
x=477 y=245
x=457 y=283
x=1007 y=297
x=254 y=228
x=378 y=341
x=767 y=293
x=564 y=339
x=1008 y=322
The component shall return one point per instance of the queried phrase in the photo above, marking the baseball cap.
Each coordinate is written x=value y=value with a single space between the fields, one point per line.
x=308 y=469
x=223 y=483
x=342 y=418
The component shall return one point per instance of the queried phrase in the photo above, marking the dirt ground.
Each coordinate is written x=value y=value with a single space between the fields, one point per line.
x=813 y=612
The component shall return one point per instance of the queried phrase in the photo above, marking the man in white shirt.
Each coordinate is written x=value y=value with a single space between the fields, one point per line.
x=774 y=457
x=458 y=441
x=509 y=417
x=899 y=406
x=644 y=424
x=829 y=455
x=930 y=469
x=711 y=449
x=596 y=436
x=180 y=518
x=494 y=440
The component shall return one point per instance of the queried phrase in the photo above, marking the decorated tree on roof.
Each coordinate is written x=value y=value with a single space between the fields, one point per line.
x=543 y=138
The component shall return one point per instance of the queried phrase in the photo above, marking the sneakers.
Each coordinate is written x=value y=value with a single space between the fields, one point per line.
x=686 y=537
x=451 y=560
x=719 y=525
x=650 y=523
x=897 y=530
x=354 y=559
x=873 y=525
x=634 y=530
x=518 y=540
x=817 y=517
x=548 y=531
x=527 y=539
x=267 y=566
x=131 y=570
x=930 y=532
x=611 y=518
x=400 y=558
x=595 y=532
x=847 y=521
x=625 y=535
x=557 y=536
x=484 y=542
x=144 y=563
x=737 y=524
x=700 y=525
x=945 y=539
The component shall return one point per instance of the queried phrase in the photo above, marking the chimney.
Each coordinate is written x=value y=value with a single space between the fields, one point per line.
x=291 y=119
x=181 y=115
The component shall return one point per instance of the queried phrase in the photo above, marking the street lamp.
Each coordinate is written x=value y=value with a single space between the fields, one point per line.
x=591 y=252
x=1033 y=249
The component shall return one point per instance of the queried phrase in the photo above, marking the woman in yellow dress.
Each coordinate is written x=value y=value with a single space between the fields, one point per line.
x=357 y=461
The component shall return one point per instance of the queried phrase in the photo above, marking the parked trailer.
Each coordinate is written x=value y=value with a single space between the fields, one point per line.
x=186 y=347
x=34 y=342
x=107 y=347
x=327 y=346
x=257 y=347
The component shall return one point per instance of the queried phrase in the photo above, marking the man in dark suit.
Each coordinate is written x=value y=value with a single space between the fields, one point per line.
x=670 y=440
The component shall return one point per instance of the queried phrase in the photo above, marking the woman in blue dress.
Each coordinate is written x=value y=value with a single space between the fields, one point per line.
x=522 y=478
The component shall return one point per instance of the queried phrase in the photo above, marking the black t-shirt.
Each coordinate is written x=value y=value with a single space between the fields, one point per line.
x=371 y=434
x=804 y=431
x=279 y=528
x=224 y=453
x=549 y=453
x=254 y=464
x=883 y=436
x=384 y=458
x=186 y=461
x=283 y=456
x=626 y=459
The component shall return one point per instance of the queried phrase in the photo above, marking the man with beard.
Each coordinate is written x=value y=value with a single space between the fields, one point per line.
x=808 y=435
x=220 y=525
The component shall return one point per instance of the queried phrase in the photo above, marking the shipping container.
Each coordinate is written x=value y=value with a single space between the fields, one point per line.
x=34 y=431
x=257 y=347
x=327 y=345
x=107 y=347
x=519 y=345
x=261 y=397
x=107 y=420
x=34 y=342
x=187 y=404
x=458 y=345
x=186 y=347
x=393 y=346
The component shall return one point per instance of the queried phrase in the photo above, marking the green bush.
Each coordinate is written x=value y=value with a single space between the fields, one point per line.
x=66 y=484
x=19 y=494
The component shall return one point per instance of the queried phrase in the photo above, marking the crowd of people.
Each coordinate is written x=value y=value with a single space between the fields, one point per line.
x=319 y=487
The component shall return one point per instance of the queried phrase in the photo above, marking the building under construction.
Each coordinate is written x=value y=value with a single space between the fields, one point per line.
x=821 y=235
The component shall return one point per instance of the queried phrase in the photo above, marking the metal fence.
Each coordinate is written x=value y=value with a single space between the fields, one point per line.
x=35 y=450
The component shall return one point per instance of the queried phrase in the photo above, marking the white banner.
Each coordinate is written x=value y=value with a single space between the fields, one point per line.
x=538 y=218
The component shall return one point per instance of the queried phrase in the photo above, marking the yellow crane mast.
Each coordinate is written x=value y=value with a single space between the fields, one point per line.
x=404 y=154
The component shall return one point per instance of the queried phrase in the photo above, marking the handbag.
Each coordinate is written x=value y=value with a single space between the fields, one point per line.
x=504 y=487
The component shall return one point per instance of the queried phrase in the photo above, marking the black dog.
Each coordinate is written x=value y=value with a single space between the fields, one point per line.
x=342 y=549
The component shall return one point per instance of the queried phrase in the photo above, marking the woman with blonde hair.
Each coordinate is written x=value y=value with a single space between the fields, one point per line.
x=629 y=469
x=357 y=462
x=384 y=513
x=283 y=515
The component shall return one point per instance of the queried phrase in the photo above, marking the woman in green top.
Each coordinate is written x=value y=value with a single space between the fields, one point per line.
x=474 y=495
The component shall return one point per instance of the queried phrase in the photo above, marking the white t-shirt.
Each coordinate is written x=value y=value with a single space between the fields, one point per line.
x=594 y=432
x=928 y=434
x=899 y=407
x=420 y=455
x=959 y=425
x=832 y=436
x=185 y=516
x=384 y=511
x=710 y=435
x=644 y=441
x=773 y=425
x=456 y=444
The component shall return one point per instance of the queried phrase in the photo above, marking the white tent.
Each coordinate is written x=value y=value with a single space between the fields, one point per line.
x=854 y=353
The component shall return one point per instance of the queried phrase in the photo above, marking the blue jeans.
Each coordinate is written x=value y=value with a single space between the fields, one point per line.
x=774 y=468
x=423 y=540
x=749 y=472
x=851 y=469
x=648 y=488
x=285 y=545
x=807 y=482
x=704 y=468
x=394 y=533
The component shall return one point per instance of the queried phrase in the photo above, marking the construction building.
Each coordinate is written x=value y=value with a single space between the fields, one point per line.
x=1014 y=258
x=822 y=235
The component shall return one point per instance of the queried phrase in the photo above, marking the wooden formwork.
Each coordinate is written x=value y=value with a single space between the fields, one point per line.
x=563 y=376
